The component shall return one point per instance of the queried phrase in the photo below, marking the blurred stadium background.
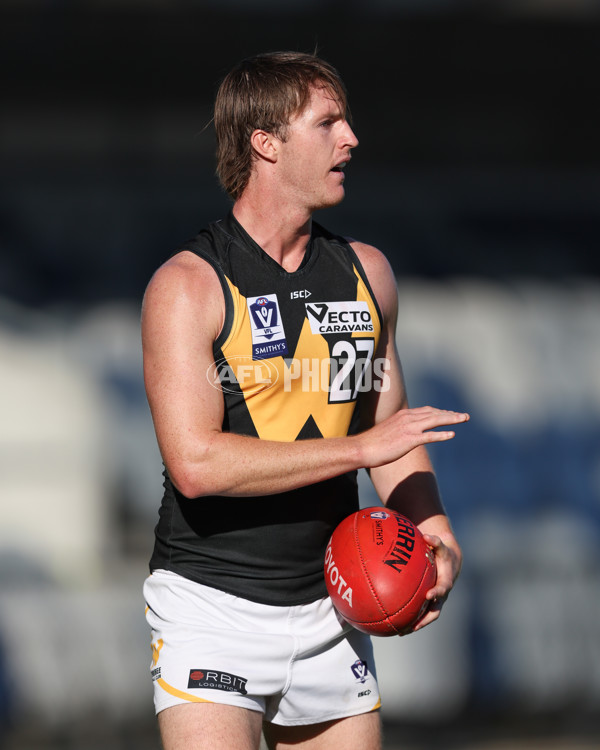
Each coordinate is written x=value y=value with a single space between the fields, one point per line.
x=478 y=174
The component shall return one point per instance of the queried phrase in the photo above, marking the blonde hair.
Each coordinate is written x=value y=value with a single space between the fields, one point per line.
x=264 y=92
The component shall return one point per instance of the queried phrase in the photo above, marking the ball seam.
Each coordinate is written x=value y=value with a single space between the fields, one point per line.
x=387 y=615
x=366 y=572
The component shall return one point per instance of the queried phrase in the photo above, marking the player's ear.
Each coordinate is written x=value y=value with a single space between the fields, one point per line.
x=264 y=145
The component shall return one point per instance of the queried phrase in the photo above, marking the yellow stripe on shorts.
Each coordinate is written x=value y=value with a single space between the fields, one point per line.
x=180 y=693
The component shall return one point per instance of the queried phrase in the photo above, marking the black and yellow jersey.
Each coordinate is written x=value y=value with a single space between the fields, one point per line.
x=295 y=354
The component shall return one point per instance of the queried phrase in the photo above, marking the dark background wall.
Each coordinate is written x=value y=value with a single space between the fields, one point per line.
x=479 y=149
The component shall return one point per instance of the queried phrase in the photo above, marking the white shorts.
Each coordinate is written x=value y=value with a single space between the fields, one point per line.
x=296 y=665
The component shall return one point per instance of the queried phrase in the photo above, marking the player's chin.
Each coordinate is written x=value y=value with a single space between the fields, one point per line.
x=334 y=198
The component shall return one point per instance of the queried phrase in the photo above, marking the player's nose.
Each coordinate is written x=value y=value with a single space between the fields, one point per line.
x=350 y=140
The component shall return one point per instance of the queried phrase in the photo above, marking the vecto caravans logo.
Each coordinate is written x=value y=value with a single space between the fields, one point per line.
x=339 y=317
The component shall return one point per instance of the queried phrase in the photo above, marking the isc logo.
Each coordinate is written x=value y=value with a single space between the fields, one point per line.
x=300 y=294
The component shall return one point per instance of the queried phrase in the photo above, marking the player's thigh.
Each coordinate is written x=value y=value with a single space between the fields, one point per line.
x=209 y=726
x=361 y=732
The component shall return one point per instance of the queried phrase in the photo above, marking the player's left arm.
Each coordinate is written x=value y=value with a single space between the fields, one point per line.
x=407 y=485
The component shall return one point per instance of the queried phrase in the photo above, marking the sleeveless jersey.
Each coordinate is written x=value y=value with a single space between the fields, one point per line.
x=291 y=362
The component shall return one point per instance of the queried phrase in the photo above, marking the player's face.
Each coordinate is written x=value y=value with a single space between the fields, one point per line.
x=317 y=149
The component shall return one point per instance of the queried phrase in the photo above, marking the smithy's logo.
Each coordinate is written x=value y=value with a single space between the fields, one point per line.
x=268 y=336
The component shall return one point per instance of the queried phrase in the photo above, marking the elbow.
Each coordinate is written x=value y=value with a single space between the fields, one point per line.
x=196 y=470
x=189 y=466
x=190 y=480
x=197 y=476
x=186 y=486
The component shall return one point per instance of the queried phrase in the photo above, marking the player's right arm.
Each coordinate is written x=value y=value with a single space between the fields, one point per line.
x=182 y=315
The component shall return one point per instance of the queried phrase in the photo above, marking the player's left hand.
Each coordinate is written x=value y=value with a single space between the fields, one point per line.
x=448 y=561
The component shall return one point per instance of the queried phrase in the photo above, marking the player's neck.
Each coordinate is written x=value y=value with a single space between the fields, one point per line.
x=279 y=230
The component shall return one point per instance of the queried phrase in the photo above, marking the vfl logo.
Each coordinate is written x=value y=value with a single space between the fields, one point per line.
x=379 y=514
x=268 y=336
x=265 y=315
x=359 y=670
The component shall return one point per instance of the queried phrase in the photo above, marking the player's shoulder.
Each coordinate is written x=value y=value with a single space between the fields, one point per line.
x=369 y=255
x=191 y=263
x=183 y=272
x=379 y=273
x=185 y=288
x=183 y=295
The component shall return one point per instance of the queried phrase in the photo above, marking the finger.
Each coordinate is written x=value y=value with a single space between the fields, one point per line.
x=424 y=411
x=441 y=419
x=432 y=412
x=442 y=587
x=434 y=541
x=431 y=416
x=427 y=429
x=440 y=590
x=444 y=582
x=430 y=616
x=438 y=436
x=438 y=593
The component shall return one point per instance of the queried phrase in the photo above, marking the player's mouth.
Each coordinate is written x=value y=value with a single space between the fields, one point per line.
x=340 y=167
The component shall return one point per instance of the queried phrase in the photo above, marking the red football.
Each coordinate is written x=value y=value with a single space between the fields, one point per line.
x=378 y=569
